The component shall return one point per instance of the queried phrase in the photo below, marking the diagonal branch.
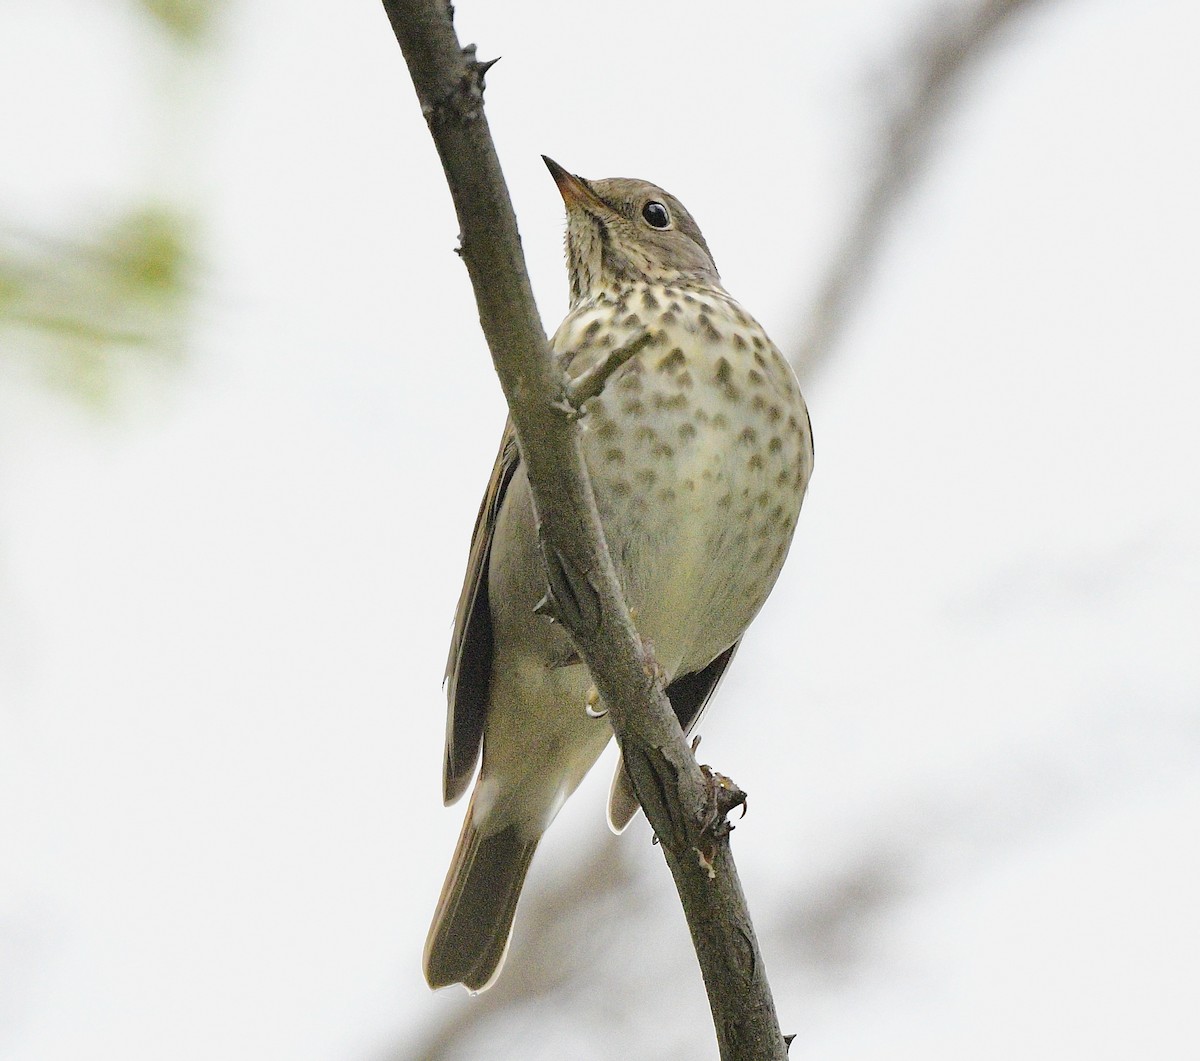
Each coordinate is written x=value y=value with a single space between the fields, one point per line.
x=944 y=51
x=683 y=805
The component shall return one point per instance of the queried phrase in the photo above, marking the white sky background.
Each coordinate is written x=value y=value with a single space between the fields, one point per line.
x=224 y=613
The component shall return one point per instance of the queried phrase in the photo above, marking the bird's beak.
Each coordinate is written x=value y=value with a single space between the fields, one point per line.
x=575 y=190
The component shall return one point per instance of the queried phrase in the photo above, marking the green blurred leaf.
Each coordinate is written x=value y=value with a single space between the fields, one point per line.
x=81 y=314
x=187 y=21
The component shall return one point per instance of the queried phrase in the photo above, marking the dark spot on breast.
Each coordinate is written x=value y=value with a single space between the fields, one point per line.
x=668 y=319
x=710 y=332
x=776 y=444
x=621 y=488
x=632 y=321
x=646 y=476
x=634 y=407
x=669 y=401
x=758 y=357
x=673 y=361
x=756 y=460
x=755 y=377
x=739 y=341
x=648 y=299
x=725 y=378
x=687 y=432
x=749 y=436
x=684 y=380
x=614 y=455
x=720 y=421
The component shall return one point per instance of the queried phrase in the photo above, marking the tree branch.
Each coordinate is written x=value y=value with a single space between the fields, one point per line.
x=685 y=806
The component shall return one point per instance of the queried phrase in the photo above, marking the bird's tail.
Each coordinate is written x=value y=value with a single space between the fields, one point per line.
x=468 y=939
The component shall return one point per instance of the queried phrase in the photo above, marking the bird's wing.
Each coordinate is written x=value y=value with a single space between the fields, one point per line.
x=689 y=695
x=469 y=667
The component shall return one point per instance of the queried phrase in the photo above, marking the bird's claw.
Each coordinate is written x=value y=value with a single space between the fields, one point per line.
x=590 y=703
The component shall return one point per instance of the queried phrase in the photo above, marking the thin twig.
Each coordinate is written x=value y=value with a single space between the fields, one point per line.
x=592 y=381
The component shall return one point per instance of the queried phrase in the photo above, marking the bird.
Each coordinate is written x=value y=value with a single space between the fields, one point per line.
x=699 y=450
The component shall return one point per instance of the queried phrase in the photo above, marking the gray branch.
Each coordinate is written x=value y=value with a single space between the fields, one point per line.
x=686 y=807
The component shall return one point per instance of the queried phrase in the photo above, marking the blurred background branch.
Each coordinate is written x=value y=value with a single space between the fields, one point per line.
x=918 y=91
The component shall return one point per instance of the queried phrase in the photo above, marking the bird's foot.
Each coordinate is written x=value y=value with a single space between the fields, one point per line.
x=591 y=704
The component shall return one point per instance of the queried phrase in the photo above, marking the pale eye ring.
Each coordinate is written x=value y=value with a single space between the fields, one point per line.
x=656 y=214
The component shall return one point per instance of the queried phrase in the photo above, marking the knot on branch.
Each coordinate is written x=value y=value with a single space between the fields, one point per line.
x=464 y=102
x=571 y=597
x=723 y=795
x=651 y=777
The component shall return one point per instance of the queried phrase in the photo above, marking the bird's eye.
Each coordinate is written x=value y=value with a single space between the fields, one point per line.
x=656 y=214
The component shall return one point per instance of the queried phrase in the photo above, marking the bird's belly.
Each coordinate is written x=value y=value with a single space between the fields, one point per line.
x=698 y=473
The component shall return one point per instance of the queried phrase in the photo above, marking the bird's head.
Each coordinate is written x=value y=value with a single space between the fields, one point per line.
x=620 y=231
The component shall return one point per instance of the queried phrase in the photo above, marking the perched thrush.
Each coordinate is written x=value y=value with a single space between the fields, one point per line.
x=699 y=450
